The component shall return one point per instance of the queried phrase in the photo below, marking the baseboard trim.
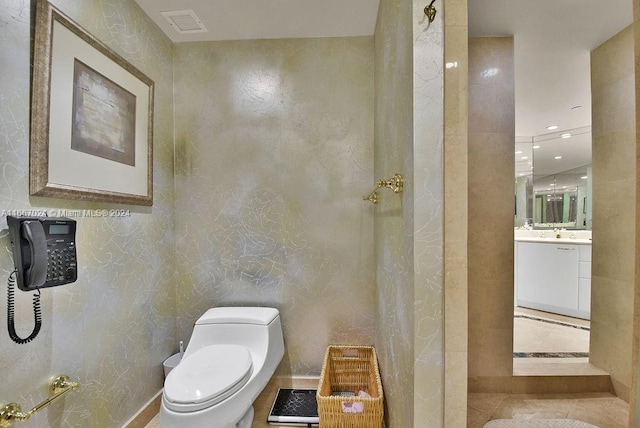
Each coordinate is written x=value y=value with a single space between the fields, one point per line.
x=293 y=382
x=146 y=413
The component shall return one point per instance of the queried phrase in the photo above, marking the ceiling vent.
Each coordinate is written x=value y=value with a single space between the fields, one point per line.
x=184 y=21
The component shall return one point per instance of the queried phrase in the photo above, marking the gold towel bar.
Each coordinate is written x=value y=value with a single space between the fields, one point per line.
x=12 y=412
x=395 y=183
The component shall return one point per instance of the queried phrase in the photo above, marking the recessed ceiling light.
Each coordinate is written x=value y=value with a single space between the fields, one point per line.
x=524 y=158
x=584 y=177
x=519 y=152
x=558 y=157
x=566 y=135
x=552 y=127
x=536 y=146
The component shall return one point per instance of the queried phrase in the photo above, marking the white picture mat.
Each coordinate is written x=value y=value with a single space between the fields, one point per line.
x=74 y=168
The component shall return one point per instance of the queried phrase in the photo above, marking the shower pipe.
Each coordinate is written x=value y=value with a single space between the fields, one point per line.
x=59 y=387
x=395 y=183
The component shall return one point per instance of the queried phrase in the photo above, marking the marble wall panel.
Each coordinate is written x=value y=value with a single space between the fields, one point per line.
x=634 y=401
x=456 y=212
x=428 y=216
x=409 y=241
x=490 y=226
x=614 y=166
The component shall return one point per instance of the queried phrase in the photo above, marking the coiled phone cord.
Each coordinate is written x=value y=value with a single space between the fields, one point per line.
x=37 y=314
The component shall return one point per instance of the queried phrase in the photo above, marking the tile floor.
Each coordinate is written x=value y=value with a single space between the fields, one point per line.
x=538 y=336
x=530 y=336
x=542 y=332
x=599 y=409
x=602 y=410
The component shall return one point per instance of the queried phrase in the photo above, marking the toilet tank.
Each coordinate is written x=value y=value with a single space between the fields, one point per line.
x=238 y=315
x=257 y=328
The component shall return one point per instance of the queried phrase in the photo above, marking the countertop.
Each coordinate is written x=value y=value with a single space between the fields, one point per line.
x=550 y=239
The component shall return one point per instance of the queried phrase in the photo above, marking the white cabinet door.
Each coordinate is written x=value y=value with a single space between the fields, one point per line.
x=548 y=276
x=584 y=295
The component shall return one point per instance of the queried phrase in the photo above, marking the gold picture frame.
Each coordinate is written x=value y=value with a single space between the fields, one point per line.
x=91 y=117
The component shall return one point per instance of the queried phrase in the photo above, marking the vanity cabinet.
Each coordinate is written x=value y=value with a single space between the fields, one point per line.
x=554 y=276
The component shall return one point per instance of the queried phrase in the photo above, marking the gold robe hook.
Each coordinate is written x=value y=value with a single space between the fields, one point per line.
x=430 y=11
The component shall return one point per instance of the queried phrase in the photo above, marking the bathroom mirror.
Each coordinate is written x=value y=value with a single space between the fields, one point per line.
x=524 y=182
x=562 y=179
x=553 y=180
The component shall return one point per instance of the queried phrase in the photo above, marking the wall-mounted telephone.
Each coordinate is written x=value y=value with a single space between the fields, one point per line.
x=44 y=255
x=44 y=251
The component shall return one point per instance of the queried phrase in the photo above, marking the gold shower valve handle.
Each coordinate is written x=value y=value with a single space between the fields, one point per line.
x=395 y=183
x=373 y=196
x=12 y=412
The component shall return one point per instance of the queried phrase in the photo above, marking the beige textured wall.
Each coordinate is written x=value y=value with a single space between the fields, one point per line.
x=614 y=238
x=274 y=151
x=393 y=246
x=274 y=143
x=491 y=189
x=409 y=242
x=112 y=328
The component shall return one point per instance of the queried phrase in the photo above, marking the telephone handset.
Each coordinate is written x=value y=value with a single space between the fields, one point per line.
x=44 y=255
x=44 y=252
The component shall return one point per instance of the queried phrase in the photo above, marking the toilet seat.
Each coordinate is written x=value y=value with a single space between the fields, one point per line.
x=207 y=377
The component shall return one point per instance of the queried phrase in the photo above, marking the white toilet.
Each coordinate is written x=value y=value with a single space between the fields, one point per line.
x=232 y=354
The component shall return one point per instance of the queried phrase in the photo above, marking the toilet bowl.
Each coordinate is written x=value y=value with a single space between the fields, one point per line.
x=231 y=355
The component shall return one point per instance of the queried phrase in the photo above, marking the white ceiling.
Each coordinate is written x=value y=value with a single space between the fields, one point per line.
x=552 y=44
x=274 y=19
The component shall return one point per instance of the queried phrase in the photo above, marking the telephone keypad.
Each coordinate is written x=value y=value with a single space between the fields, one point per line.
x=62 y=264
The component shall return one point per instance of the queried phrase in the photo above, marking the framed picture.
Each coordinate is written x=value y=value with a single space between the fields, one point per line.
x=91 y=117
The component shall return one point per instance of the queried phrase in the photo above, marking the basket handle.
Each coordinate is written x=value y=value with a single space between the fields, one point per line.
x=350 y=353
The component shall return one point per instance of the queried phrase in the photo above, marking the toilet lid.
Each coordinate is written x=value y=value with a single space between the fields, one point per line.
x=209 y=375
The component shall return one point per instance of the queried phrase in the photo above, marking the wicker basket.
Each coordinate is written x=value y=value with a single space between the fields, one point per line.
x=350 y=369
